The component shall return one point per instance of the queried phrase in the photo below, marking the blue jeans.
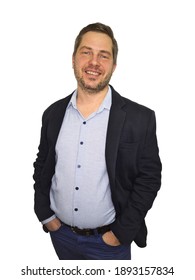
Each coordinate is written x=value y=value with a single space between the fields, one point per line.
x=72 y=246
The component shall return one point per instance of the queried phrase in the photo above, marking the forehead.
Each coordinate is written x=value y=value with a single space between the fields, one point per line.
x=96 y=41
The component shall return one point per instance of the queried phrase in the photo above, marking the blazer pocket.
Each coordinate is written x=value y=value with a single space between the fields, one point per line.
x=128 y=145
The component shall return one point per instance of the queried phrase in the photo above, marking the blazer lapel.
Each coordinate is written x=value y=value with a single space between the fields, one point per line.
x=115 y=124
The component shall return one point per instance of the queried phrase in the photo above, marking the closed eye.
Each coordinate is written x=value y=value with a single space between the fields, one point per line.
x=104 y=56
x=86 y=52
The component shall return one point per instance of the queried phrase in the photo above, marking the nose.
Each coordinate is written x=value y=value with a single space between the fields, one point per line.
x=94 y=60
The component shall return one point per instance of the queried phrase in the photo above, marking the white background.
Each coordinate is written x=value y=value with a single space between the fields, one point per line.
x=156 y=67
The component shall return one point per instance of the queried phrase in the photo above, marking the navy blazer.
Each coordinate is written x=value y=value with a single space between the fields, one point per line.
x=132 y=158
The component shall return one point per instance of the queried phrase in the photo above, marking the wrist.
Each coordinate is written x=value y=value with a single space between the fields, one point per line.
x=53 y=225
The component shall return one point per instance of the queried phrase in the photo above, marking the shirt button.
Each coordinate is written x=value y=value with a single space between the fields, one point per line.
x=79 y=166
x=84 y=122
x=77 y=188
x=75 y=209
x=81 y=142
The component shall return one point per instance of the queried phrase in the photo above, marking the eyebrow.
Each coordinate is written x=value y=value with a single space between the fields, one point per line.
x=101 y=51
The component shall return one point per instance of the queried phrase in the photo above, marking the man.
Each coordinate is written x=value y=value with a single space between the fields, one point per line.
x=97 y=171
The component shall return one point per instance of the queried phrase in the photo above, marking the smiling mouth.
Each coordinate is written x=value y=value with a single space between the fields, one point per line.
x=92 y=73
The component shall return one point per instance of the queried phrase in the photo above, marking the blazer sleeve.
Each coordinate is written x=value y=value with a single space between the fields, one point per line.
x=43 y=171
x=145 y=188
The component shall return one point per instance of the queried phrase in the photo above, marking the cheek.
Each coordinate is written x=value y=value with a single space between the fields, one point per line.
x=80 y=65
x=108 y=67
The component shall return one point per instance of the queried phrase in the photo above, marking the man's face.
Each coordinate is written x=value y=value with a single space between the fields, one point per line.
x=93 y=62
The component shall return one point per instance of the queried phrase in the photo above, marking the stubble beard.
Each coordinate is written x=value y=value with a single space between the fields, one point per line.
x=92 y=89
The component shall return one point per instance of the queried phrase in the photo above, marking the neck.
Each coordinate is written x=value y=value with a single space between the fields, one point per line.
x=84 y=97
x=88 y=103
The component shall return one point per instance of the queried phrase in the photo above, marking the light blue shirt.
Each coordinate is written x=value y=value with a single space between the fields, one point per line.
x=80 y=192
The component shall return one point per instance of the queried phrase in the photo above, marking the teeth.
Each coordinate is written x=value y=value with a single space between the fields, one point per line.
x=92 y=73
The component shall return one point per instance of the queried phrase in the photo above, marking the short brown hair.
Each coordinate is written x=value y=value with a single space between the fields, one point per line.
x=98 y=27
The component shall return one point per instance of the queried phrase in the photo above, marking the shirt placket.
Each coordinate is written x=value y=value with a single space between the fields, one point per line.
x=80 y=166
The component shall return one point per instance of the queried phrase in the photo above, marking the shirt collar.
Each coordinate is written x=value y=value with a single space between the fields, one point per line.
x=72 y=101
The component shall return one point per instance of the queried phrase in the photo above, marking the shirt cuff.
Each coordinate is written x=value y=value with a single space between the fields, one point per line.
x=48 y=220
